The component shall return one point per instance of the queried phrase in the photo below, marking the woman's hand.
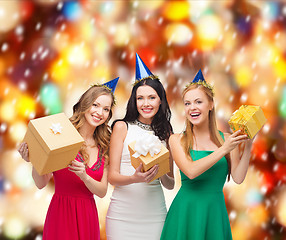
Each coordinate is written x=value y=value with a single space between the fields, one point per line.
x=233 y=141
x=146 y=176
x=40 y=180
x=248 y=143
x=24 y=151
x=78 y=168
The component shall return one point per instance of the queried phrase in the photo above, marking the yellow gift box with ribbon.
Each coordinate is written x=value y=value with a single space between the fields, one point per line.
x=53 y=142
x=149 y=151
x=249 y=119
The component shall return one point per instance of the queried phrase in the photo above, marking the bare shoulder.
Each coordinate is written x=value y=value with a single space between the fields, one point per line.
x=119 y=131
x=175 y=138
x=120 y=126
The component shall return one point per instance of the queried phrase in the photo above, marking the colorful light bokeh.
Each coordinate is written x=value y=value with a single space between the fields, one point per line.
x=52 y=51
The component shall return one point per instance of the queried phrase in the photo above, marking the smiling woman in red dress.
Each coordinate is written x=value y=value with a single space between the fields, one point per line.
x=72 y=213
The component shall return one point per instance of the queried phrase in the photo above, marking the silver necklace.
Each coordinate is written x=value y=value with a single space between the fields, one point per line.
x=142 y=125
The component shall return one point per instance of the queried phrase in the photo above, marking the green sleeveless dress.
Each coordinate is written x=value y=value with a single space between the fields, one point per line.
x=198 y=212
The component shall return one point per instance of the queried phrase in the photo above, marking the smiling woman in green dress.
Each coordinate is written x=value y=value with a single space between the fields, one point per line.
x=205 y=156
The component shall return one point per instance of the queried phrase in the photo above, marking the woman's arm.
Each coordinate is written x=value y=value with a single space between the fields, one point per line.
x=99 y=188
x=118 y=136
x=239 y=166
x=40 y=180
x=168 y=179
x=192 y=169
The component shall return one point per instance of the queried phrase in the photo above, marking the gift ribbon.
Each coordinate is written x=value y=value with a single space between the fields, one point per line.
x=243 y=114
x=56 y=128
x=147 y=143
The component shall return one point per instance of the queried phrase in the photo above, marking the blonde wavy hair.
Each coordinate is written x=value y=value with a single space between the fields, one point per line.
x=187 y=139
x=102 y=133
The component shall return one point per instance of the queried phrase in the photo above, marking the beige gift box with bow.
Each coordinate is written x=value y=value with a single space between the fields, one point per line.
x=53 y=142
x=162 y=159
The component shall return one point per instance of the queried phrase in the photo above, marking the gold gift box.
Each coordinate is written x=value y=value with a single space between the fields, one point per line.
x=249 y=119
x=49 y=148
x=162 y=159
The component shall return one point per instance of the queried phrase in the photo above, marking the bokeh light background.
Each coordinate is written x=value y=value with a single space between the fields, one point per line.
x=51 y=51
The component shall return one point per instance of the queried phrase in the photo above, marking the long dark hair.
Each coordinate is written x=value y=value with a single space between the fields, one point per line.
x=161 y=122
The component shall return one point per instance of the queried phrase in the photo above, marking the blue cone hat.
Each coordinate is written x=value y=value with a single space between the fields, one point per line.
x=199 y=77
x=111 y=84
x=141 y=69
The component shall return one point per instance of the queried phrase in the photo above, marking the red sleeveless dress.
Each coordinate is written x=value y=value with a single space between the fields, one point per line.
x=72 y=213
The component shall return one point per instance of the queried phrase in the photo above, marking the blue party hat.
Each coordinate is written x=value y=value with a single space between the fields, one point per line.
x=111 y=85
x=199 y=77
x=141 y=69
x=200 y=80
x=142 y=72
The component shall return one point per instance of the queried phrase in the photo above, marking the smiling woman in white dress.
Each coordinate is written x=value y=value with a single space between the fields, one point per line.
x=137 y=209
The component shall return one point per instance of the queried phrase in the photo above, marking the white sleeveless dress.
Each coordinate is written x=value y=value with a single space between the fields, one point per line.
x=136 y=211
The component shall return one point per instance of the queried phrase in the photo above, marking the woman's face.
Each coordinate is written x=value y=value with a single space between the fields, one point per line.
x=197 y=106
x=148 y=103
x=98 y=113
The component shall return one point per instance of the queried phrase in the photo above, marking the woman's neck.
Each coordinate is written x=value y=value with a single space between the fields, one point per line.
x=202 y=129
x=86 y=131
x=147 y=121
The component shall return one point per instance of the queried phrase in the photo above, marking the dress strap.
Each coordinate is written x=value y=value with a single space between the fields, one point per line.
x=222 y=135
x=100 y=160
x=79 y=157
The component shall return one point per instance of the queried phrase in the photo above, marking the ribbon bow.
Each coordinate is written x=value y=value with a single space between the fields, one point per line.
x=147 y=143
x=56 y=128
